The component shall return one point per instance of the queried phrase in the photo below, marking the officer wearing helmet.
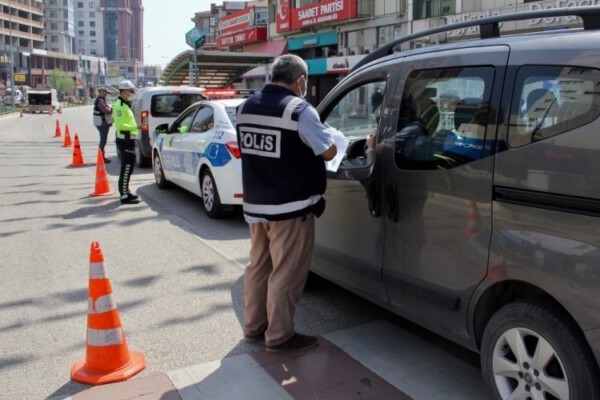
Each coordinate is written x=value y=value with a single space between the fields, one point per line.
x=127 y=134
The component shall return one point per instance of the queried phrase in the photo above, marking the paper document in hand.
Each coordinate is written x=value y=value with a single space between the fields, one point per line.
x=341 y=142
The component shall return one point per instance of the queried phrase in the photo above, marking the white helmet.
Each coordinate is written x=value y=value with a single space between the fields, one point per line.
x=126 y=85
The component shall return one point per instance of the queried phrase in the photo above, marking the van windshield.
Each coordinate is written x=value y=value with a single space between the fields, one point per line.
x=172 y=104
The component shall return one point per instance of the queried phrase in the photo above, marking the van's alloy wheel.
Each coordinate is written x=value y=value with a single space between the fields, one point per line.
x=531 y=350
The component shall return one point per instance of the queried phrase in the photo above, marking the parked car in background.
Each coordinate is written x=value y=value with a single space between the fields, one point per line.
x=199 y=152
x=153 y=106
x=476 y=214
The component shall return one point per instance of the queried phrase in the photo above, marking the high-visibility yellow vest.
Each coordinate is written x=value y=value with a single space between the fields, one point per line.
x=124 y=121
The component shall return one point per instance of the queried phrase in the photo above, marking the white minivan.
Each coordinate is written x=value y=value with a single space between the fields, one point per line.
x=153 y=106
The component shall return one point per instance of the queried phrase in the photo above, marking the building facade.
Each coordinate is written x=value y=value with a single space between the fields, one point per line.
x=59 y=21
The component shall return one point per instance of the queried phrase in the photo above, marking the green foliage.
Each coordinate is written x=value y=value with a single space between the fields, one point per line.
x=61 y=82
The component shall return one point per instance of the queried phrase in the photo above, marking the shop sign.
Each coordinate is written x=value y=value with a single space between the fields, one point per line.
x=342 y=65
x=21 y=78
x=328 y=11
x=237 y=21
x=251 y=35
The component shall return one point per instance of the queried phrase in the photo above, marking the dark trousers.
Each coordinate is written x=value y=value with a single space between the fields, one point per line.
x=103 y=130
x=126 y=148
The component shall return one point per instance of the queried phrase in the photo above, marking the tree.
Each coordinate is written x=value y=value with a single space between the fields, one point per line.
x=61 y=82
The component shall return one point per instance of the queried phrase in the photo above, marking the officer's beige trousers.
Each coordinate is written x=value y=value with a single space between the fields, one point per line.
x=275 y=277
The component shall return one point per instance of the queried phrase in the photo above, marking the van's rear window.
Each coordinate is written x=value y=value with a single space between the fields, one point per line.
x=171 y=104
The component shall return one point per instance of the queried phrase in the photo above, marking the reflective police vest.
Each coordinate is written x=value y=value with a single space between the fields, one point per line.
x=281 y=176
x=124 y=121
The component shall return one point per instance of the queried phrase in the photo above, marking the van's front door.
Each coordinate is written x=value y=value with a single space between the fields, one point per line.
x=437 y=183
x=349 y=236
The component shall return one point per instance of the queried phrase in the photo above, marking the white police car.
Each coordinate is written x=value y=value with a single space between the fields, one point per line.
x=199 y=152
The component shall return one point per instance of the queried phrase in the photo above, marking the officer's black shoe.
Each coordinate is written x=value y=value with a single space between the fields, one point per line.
x=107 y=161
x=133 y=196
x=129 y=199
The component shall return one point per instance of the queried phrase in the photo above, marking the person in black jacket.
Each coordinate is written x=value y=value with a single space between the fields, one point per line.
x=102 y=119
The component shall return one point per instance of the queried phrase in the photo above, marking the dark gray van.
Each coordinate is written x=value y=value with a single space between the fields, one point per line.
x=478 y=215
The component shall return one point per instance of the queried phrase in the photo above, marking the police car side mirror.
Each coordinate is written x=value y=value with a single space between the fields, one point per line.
x=162 y=128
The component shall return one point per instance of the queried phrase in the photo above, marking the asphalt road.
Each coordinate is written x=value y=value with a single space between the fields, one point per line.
x=176 y=274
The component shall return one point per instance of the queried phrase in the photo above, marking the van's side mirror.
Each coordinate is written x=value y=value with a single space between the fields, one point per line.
x=162 y=128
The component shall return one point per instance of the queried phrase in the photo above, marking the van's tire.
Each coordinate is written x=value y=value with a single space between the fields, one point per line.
x=568 y=365
x=141 y=160
x=210 y=196
x=159 y=173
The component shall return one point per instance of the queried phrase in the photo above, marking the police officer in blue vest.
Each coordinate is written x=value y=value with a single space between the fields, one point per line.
x=284 y=147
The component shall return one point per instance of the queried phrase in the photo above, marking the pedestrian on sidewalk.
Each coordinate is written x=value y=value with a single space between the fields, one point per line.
x=127 y=135
x=102 y=119
x=284 y=147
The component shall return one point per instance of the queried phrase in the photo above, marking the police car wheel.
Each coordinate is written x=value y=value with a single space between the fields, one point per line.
x=159 y=173
x=210 y=195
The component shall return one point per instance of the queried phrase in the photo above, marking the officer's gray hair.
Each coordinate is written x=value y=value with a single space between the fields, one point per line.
x=287 y=68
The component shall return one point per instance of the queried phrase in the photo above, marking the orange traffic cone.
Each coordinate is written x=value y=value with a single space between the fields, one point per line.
x=67 y=142
x=102 y=184
x=77 y=156
x=67 y=132
x=107 y=356
x=473 y=219
x=57 y=130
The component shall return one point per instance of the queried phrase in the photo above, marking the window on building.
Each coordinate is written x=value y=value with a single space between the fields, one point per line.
x=52 y=2
x=81 y=33
x=93 y=33
x=92 y=14
x=80 y=4
x=80 y=14
x=81 y=43
x=92 y=24
x=302 y=3
x=423 y=9
x=93 y=52
x=80 y=24
x=261 y=17
x=386 y=34
x=548 y=101
x=52 y=14
x=54 y=39
x=93 y=42
x=92 y=4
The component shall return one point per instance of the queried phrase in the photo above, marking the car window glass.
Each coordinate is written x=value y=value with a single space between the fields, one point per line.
x=548 y=101
x=357 y=113
x=203 y=120
x=184 y=122
x=443 y=117
x=232 y=114
x=169 y=105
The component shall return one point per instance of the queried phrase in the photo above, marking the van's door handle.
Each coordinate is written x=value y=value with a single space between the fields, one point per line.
x=391 y=197
x=373 y=198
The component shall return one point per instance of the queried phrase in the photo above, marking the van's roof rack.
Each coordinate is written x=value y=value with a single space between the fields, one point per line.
x=489 y=27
